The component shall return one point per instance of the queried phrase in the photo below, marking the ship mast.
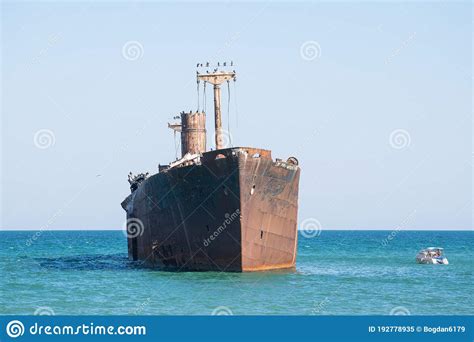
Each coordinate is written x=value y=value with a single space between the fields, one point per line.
x=216 y=78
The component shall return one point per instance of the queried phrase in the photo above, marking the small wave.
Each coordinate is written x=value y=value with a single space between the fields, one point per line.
x=111 y=262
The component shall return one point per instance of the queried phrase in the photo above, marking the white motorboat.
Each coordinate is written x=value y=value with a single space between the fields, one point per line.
x=431 y=255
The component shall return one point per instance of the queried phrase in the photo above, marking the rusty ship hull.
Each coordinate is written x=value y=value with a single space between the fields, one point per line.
x=233 y=210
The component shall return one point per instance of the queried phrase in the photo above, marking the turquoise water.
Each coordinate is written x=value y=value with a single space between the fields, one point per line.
x=338 y=272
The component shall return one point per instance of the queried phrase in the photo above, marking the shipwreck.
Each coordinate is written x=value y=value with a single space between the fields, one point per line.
x=227 y=209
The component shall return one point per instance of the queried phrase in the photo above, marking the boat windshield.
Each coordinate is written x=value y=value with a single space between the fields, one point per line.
x=434 y=251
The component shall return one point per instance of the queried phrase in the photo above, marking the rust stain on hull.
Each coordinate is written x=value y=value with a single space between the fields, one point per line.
x=269 y=267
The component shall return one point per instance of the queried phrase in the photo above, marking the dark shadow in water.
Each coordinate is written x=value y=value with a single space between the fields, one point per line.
x=120 y=262
x=107 y=262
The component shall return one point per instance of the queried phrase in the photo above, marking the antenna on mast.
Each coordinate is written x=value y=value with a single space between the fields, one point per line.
x=216 y=78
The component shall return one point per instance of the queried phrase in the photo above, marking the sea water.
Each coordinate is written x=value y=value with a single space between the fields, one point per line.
x=337 y=272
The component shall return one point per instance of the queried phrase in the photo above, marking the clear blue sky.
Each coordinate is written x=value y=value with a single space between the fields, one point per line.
x=380 y=67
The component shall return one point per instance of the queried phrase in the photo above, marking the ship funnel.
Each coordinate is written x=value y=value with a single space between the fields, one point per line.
x=193 y=133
